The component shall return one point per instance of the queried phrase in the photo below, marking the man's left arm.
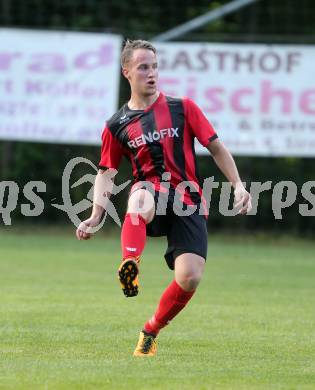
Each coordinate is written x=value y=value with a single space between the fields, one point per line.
x=226 y=164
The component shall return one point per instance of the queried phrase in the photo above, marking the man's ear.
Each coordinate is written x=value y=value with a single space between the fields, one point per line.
x=125 y=73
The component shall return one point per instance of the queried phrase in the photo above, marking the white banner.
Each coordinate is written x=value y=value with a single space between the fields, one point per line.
x=261 y=99
x=57 y=86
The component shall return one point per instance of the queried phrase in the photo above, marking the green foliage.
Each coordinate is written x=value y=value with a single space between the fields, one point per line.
x=146 y=18
x=263 y=169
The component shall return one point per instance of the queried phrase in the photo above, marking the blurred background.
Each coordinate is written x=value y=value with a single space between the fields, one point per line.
x=265 y=22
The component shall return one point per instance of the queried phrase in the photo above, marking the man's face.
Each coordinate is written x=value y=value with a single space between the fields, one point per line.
x=142 y=72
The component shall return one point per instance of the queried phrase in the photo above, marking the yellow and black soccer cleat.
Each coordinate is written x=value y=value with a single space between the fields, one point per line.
x=128 y=276
x=146 y=346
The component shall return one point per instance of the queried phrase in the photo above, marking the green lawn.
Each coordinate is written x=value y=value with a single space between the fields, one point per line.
x=65 y=324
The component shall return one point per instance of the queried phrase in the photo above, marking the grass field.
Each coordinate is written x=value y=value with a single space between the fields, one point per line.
x=65 y=324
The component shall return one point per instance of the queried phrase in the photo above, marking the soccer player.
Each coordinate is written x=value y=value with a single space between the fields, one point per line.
x=156 y=134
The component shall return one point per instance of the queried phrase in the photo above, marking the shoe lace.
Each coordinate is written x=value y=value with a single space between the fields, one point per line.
x=147 y=343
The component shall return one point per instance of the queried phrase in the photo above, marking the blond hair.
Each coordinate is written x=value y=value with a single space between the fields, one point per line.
x=129 y=48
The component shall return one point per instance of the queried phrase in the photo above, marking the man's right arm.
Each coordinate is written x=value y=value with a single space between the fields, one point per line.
x=103 y=187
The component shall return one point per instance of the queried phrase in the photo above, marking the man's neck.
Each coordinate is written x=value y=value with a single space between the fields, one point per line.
x=142 y=102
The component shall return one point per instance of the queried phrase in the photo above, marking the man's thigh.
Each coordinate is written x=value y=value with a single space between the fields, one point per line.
x=186 y=235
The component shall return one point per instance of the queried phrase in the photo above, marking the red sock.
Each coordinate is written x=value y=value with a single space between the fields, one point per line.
x=173 y=300
x=133 y=235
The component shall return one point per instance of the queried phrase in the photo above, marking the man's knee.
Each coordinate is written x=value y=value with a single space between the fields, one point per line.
x=141 y=202
x=188 y=270
x=190 y=281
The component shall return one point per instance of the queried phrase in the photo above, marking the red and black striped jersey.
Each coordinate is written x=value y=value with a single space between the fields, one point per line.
x=158 y=139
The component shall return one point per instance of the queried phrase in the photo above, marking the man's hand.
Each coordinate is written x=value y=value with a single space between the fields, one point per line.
x=83 y=231
x=226 y=163
x=242 y=199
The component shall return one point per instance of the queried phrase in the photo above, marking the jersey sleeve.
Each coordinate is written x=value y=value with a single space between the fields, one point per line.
x=198 y=123
x=111 y=151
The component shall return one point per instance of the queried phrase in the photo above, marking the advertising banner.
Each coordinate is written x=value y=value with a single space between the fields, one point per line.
x=260 y=98
x=57 y=86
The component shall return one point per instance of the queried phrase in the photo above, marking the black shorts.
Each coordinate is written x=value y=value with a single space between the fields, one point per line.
x=185 y=234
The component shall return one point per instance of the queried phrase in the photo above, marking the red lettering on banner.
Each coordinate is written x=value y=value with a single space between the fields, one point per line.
x=215 y=103
x=95 y=59
x=307 y=102
x=6 y=60
x=58 y=62
x=236 y=100
x=167 y=83
x=267 y=94
x=47 y=63
x=267 y=98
